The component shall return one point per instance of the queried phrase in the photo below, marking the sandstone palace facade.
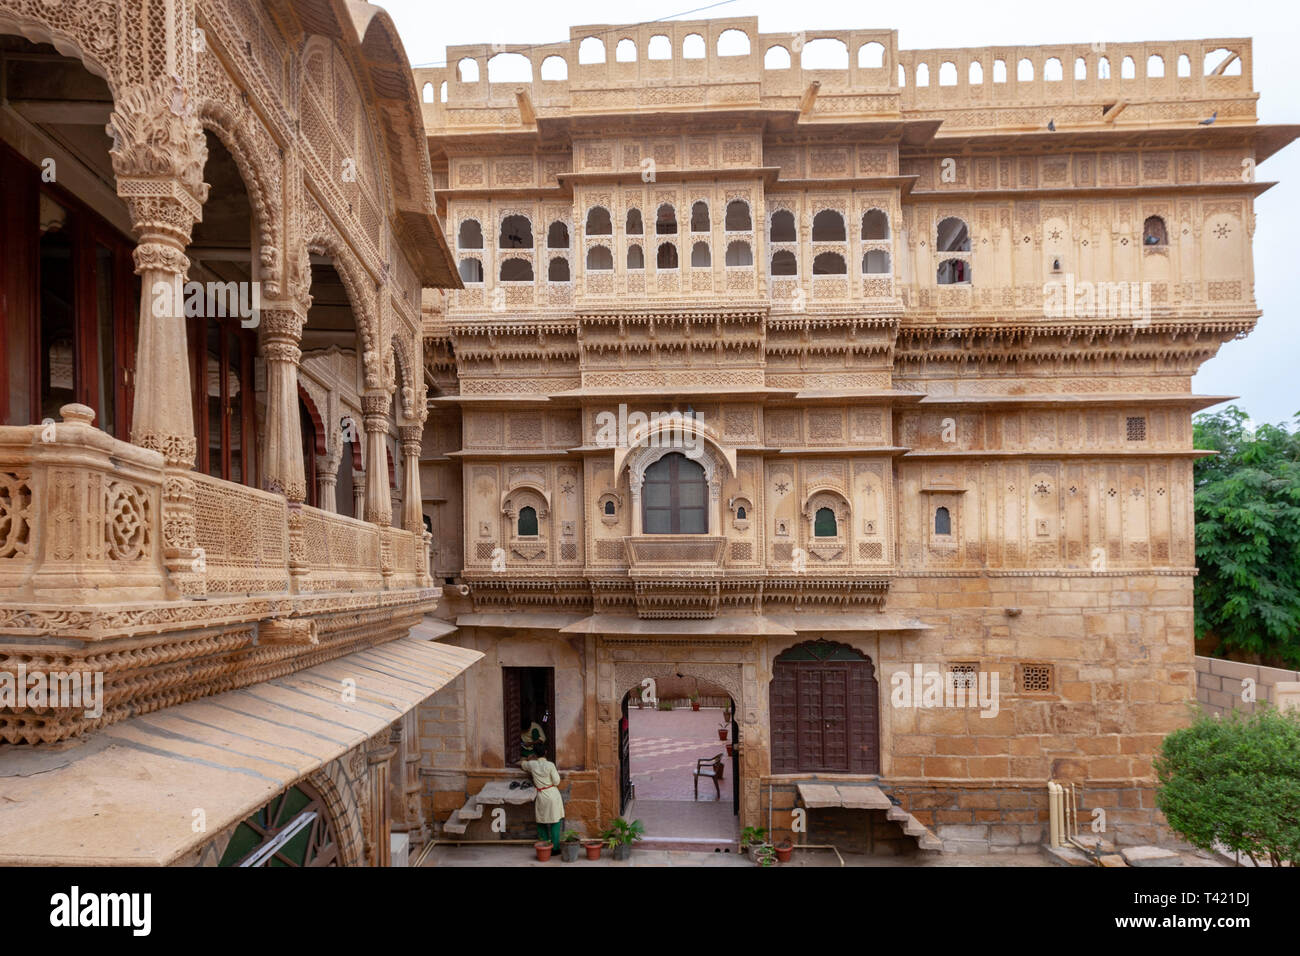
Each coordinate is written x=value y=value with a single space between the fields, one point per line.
x=917 y=335
x=356 y=417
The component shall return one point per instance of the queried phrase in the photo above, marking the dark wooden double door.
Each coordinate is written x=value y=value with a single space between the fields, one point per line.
x=824 y=716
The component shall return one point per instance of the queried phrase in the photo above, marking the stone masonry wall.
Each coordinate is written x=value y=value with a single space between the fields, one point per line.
x=1220 y=684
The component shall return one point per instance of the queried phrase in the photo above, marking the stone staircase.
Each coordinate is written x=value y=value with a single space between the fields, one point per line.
x=868 y=797
x=495 y=793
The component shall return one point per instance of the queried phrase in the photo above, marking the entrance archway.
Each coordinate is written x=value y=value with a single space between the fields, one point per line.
x=676 y=720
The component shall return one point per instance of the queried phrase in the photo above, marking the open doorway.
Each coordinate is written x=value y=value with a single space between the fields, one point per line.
x=529 y=699
x=679 y=762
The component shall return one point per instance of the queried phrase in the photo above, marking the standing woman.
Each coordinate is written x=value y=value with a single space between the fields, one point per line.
x=548 y=806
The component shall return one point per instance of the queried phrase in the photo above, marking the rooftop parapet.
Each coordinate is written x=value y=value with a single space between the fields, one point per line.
x=727 y=64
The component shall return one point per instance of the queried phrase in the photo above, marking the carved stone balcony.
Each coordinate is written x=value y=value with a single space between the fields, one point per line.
x=174 y=585
x=694 y=556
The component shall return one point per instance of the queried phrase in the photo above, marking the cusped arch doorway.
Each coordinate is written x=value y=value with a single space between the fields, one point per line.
x=824 y=710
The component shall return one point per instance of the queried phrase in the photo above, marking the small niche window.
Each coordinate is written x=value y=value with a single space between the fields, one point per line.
x=828 y=226
x=824 y=524
x=609 y=508
x=598 y=223
x=1154 y=233
x=558 y=270
x=784 y=263
x=527 y=522
x=471 y=270
x=953 y=272
x=1135 y=428
x=740 y=513
x=557 y=236
x=942 y=521
x=700 y=217
x=666 y=221
x=783 y=226
x=634 y=225
x=635 y=258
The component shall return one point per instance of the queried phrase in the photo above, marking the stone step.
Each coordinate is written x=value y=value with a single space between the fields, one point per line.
x=471 y=811
x=454 y=824
x=897 y=814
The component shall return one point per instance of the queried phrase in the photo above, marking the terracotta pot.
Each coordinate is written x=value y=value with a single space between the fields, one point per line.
x=722 y=733
x=783 y=851
x=729 y=750
x=593 y=849
x=695 y=705
x=543 y=851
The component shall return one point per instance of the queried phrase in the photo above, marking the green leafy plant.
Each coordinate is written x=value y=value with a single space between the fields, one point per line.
x=753 y=836
x=1247 y=592
x=765 y=856
x=569 y=836
x=665 y=705
x=621 y=831
x=1235 y=781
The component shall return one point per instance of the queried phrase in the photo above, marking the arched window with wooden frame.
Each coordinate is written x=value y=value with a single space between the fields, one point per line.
x=675 y=497
x=527 y=526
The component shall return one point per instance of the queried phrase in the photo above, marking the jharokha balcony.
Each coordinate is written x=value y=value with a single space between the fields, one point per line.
x=175 y=585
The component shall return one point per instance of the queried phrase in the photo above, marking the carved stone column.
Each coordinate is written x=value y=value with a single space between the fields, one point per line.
x=412 y=507
x=158 y=154
x=327 y=480
x=359 y=494
x=634 y=483
x=379 y=503
x=282 y=467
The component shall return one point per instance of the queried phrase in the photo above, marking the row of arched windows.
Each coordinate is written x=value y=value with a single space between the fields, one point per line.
x=1218 y=62
x=824 y=53
x=739 y=255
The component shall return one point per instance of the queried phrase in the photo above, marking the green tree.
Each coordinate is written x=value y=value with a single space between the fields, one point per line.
x=1248 y=535
x=1235 y=781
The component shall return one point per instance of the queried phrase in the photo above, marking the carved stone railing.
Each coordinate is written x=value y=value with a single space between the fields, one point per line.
x=342 y=553
x=243 y=535
x=79 y=515
x=85 y=593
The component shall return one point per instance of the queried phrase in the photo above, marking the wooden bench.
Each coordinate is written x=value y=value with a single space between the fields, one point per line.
x=710 y=768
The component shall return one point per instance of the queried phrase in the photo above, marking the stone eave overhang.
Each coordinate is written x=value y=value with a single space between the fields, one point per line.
x=1191 y=402
x=1266 y=138
x=1054 y=453
x=1251 y=189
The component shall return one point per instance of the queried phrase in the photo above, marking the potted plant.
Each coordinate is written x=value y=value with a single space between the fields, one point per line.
x=783 y=851
x=730 y=747
x=543 y=850
x=726 y=714
x=593 y=848
x=695 y=701
x=724 y=728
x=620 y=836
x=753 y=839
x=764 y=855
x=569 y=846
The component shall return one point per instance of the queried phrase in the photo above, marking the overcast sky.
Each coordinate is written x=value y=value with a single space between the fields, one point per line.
x=1263 y=369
